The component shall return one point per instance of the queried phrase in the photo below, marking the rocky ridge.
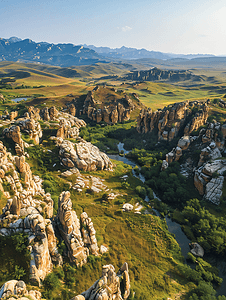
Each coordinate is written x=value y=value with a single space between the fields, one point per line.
x=156 y=74
x=167 y=123
x=29 y=210
x=112 y=112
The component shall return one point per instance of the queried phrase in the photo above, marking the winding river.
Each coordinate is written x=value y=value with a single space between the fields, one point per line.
x=174 y=227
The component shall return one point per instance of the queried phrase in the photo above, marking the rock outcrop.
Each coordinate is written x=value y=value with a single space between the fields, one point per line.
x=197 y=250
x=208 y=185
x=82 y=155
x=17 y=289
x=78 y=238
x=14 y=133
x=32 y=128
x=69 y=126
x=156 y=74
x=167 y=123
x=117 y=110
x=29 y=210
x=48 y=114
x=109 y=286
x=28 y=126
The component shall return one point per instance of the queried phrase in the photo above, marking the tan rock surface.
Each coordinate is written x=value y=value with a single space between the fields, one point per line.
x=83 y=155
x=108 y=286
x=19 y=290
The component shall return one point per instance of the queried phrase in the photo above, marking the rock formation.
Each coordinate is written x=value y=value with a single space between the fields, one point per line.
x=168 y=122
x=82 y=155
x=49 y=113
x=31 y=127
x=69 y=126
x=72 y=109
x=33 y=113
x=156 y=74
x=206 y=184
x=208 y=178
x=17 y=289
x=26 y=211
x=197 y=250
x=14 y=133
x=78 y=238
x=117 y=110
x=109 y=286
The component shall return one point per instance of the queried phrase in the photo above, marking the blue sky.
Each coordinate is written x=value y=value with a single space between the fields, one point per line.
x=179 y=26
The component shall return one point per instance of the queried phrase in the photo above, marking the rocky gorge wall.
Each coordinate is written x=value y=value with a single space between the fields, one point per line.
x=167 y=123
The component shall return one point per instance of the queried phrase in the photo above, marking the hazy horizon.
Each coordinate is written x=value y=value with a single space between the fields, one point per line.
x=197 y=27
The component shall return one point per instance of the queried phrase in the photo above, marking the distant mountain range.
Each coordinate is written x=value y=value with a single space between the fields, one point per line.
x=66 y=55
x=133 y=53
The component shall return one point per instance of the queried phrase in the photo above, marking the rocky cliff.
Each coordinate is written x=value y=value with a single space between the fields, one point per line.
x=104 y=104
x=167 y=123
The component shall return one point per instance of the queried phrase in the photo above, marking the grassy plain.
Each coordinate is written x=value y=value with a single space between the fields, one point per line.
x=45 y=82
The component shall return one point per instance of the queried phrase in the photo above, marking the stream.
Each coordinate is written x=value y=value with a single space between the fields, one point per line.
x=174 y=227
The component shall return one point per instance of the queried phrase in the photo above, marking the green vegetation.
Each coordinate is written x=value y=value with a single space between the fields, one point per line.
x=208 y=229
x=154 y=257
x=15 y=258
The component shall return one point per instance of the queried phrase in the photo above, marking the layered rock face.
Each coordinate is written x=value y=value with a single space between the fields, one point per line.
x=109 y=286
x=117 y=111
x=79 y=239
x=82 y=155
x=29 y=210
x=168 y=122
x=17 y=289
x=206 y=184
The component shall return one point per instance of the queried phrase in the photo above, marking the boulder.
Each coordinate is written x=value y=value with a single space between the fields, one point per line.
x=197 y=250
x=17 y=289
x=83 y=155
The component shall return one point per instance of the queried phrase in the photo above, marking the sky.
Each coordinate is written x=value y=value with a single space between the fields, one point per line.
x=171 y=26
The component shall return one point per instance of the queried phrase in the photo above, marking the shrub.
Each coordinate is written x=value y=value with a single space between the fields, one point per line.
x=141 y=191
x=51 y=282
